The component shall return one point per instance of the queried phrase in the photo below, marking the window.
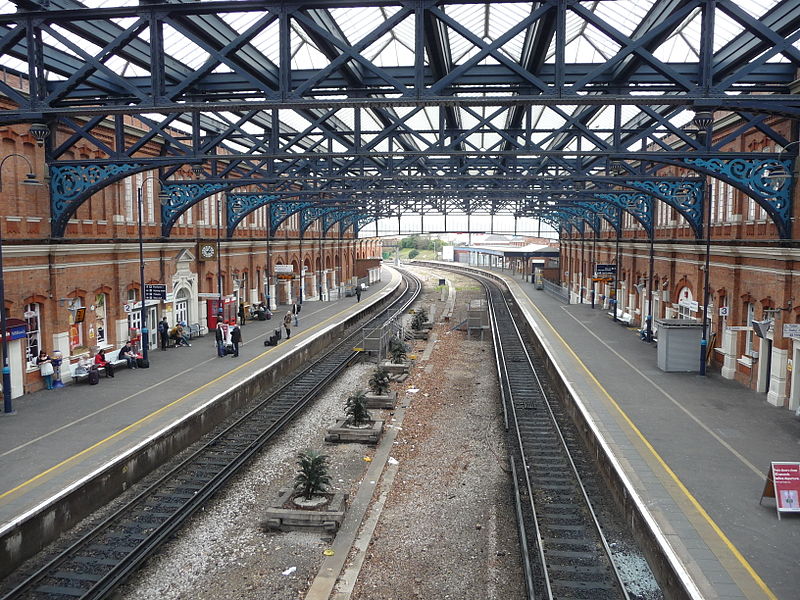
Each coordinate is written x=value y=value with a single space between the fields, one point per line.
x=750 y=311
x=76 y=337
x=134 y=316
x=32 y=317
x=98 y=328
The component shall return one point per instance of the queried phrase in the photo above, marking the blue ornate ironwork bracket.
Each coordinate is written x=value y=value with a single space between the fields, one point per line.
x=280 y=211
x=553 y=221
x=331 y=219
x=357 y=221
x=608 y=211
x=315 y=213
x=238 y=206
x=768 y=181
x=72 y=185
x=572 y=217
x=640 y=205
x=181 y=196
x=686 y=197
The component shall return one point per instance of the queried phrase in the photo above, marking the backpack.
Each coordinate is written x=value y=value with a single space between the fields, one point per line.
x=94 y=377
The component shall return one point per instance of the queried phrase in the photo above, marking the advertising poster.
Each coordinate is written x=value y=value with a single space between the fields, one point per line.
x=785 y=488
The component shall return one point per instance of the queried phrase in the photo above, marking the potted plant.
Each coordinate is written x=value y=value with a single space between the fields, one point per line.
x=308 y=504
x=357 y=424
x=397 y=356
x=356 y=410
x=312 y=477
x=418 y=324
x=379 y=395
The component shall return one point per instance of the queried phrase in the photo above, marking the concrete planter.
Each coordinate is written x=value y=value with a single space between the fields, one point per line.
x=395 y=368
x=326 y=518
x=382 y=401
x=365 y=435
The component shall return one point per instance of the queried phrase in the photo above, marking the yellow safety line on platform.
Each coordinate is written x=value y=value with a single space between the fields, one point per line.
x=155 y=413
x=742 y=560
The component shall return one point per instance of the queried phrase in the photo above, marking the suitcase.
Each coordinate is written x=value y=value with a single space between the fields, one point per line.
x=94 y=377
x=143 y=363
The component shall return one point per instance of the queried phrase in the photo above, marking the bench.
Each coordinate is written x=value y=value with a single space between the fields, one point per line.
x=624 y=318
x=194 y=330
x=112 y=357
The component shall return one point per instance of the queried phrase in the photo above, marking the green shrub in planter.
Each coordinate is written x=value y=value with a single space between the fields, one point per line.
x=356 y=410
x=312 y=477
x=420 y=317
x=379 y=382
x=397 y=350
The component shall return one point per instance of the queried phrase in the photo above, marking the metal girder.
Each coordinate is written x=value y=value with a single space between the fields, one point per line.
x=501 y=102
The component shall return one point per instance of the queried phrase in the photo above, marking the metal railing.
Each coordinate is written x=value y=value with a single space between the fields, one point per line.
x=556 y=290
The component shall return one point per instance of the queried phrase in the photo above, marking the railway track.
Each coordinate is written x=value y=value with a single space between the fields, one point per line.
x=96 y=564
x=565 y=552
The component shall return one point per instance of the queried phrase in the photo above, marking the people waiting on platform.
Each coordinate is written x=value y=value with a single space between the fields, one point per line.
x=128 y=354
x=100 y=361
x=178 y=334
x=46 y=369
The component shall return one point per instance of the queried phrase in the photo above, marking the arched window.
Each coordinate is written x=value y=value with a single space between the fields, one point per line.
x=33 y=315
x=182 y=305
x=77 y=318
x=98 y=329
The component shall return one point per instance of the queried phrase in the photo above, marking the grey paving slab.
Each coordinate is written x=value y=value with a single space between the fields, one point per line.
x=696 y=448
x=58 y=437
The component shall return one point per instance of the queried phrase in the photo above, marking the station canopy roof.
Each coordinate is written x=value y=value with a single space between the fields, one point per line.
x=394 y=107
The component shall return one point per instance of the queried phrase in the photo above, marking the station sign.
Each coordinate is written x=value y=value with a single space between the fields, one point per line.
x=791 y=330
x=16 y=329
x=155 y=291
x=600 y=270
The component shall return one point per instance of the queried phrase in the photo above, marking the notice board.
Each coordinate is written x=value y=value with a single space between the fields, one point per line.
x=783 y=484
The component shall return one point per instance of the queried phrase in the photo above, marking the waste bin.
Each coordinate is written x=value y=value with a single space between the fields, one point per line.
x=679 y=345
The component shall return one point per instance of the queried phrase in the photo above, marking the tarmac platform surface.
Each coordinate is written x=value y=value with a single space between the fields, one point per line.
x=56 y=438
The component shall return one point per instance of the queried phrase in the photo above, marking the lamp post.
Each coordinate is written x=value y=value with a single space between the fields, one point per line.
x=30 y=179
x=704 y=121
x=143 y=314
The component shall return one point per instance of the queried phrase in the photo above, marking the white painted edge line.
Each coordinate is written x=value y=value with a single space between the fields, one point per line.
x=14 y=523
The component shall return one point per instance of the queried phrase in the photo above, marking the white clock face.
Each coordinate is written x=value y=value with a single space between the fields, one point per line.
x=207 y=251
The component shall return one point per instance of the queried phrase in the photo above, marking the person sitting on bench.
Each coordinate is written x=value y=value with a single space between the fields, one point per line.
x=128 y=354
x=100 y=361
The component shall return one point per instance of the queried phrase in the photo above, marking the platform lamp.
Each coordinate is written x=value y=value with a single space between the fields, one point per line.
x=704 y=121
x=143 y=318
x=30 y=179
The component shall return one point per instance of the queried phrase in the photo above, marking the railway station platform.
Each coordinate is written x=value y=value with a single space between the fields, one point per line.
x=58 y=439
x=695 y=449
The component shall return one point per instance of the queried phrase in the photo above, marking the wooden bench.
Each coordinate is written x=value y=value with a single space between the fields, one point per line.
x=112 y=357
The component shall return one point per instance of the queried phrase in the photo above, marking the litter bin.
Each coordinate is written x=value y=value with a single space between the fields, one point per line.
x=679 y=345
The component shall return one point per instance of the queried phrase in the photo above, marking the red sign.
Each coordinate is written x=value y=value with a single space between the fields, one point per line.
x=785 y=488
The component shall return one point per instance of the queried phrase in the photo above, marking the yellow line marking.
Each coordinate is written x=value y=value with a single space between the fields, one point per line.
x=711 y=523
x=159 y=411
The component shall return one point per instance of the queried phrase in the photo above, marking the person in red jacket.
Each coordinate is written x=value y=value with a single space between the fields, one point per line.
x=100 y=361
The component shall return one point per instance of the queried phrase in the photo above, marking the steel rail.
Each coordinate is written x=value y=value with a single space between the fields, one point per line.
x=566 y=525
x=96 y=564
x=540 y=447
